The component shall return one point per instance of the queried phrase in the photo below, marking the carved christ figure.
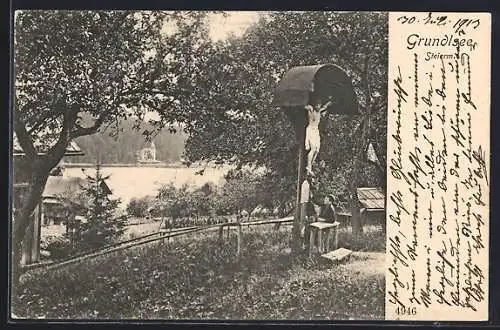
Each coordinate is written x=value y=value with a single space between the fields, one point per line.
x=313 y=140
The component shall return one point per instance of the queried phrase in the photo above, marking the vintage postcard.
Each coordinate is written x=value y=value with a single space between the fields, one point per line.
x=291 y=165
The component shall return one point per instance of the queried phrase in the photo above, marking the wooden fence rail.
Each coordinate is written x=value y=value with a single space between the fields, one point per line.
x=113 y=247
x=157 y=236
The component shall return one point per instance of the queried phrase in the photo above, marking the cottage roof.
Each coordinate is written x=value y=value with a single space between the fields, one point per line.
x=371 y=198
x=71 y=150
x=61 y=185
x=302 y=83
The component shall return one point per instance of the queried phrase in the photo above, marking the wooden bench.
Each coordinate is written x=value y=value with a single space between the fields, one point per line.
x=321 y=232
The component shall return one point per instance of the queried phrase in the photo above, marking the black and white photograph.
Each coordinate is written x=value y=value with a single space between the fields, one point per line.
x=198 y=165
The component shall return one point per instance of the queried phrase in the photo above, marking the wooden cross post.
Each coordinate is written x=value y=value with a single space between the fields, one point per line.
x=300 y=120
x=298 y=87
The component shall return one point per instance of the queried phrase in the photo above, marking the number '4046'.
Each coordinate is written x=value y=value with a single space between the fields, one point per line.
x=402 y=310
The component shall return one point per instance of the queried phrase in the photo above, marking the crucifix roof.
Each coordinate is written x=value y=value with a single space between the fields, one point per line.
x=301 y=83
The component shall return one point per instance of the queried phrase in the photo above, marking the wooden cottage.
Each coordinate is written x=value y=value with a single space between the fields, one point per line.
x=56 y=189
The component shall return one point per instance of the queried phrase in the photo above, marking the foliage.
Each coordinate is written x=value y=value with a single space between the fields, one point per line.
x=242 y=124
x=92 y=218
x=240 y=191
x=373 y=239
x=102 y=226
x=139 y=207
x=99 y=64
x=201 y=278
x=172 y=202
x=59 y=247
x=104 y=65
x=177 y=204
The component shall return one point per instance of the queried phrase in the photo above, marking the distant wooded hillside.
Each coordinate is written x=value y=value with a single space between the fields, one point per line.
x=123 y=148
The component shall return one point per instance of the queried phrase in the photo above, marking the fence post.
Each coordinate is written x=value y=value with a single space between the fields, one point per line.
x=238 y=241
x=221 y=233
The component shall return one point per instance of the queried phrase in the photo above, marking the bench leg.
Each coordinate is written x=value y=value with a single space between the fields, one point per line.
x=320 y=241
x=311 y=242
x=335 y=238
x=328 y=240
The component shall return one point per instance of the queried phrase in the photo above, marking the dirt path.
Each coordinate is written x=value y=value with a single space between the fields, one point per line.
x=365 y=263
x=360 y=264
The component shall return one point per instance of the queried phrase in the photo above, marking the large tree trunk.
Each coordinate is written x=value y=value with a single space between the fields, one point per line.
x=36 y=170
x=37 y=182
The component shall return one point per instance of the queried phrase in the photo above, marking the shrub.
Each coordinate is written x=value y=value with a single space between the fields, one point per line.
x=138 y=207
x=45 y=241
x=372 y=239
x=58 y=247
x=102 y=224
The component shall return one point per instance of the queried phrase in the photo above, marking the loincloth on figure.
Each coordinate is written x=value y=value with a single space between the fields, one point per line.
x=313 y=139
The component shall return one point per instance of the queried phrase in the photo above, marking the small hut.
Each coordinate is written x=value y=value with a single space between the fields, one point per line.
x=372 y=202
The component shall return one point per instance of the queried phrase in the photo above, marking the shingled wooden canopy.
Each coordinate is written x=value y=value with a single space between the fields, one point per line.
x=303 y=85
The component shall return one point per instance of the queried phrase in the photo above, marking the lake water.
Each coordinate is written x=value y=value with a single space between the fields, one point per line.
x=135 y=182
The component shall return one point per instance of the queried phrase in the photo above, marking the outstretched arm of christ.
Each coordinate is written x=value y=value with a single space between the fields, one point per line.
x=325 y=106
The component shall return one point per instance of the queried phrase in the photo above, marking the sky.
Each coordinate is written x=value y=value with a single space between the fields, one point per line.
x=222 y=26
x=235 y=23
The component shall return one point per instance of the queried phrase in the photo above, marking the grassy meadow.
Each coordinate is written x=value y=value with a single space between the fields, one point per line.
x=199 y=277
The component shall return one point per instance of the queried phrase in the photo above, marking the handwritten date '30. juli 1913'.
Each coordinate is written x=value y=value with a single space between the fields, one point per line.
x=438 y=186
